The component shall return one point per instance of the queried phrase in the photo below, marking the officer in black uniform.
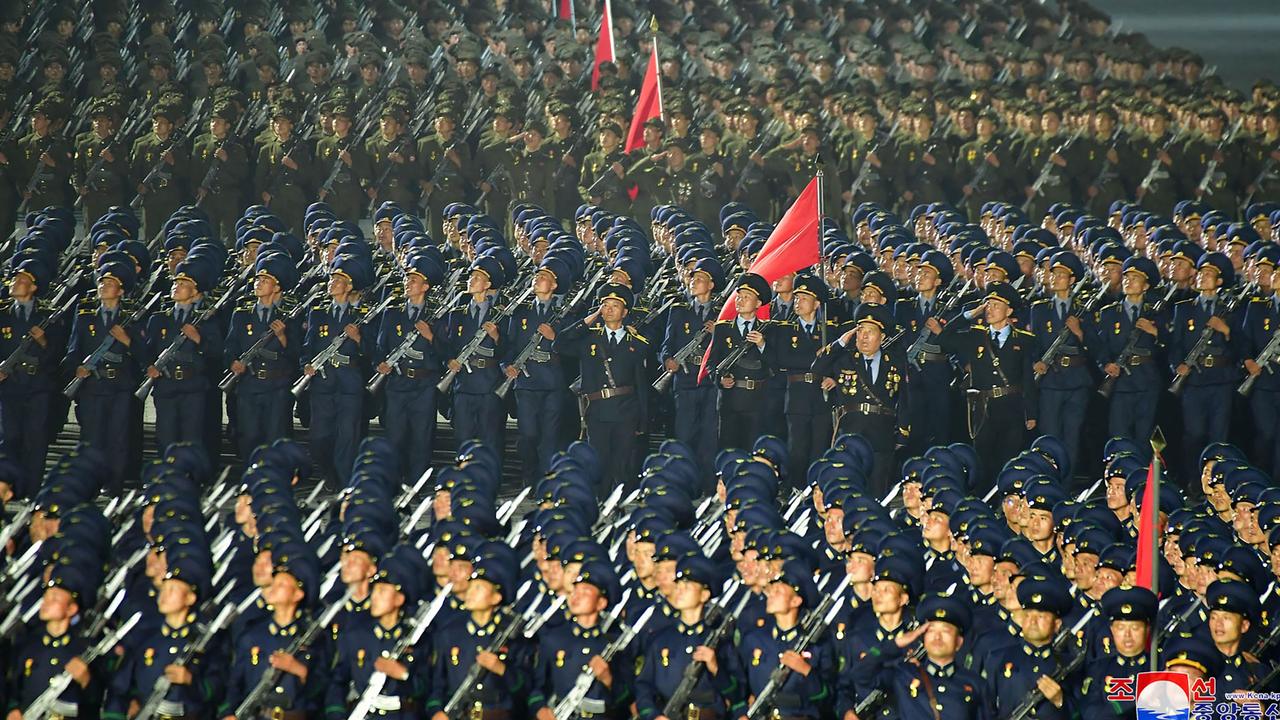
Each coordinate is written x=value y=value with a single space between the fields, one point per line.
x=613 y=360
x=739 y=365
x=695 y=422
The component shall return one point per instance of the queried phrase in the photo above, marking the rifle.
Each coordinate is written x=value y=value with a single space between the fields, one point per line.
x=515 y=624
x=167 y=355
x=679 y=699
x=916 y=350
x=99 y=355
x=330 y=353
x=18 y=522
x=1052 y=352
x=327 y=187
x=1105 y=171
x=1047 y=168
x=228 y=613
x=271 y=677
x=1035 y=697
x=726 y=364
x=43 y=704
x=386 y=172
x=439 y=170
x=1145 y=186
x=865 y=170
x=535 y=341
x=22 y=352
x=1267 y=167
x=569 y=704
x=464 y=357
x=378 y=679
x=1269 y=355
x=258 y=349
x=405 y=347
x=814 y=625
x=1129 y=351
x=873 y=699
x=1201 y=348
x=215 y=167
x=111 y=145
x=1212 y=166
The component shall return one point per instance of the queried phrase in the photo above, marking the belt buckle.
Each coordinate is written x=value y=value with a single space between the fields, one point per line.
x=178 y=374
x=277 y=713
x=1135 y=360
x=261 y=374
x=1065 y=361
x=1207 y=362
x=411 y=373
x=109 y=373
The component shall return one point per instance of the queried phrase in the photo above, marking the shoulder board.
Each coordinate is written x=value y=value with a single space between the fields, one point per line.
x=247 y=304
x=1019 y=331
x=88 y=311
x=637 y=336
x=1108 y=306
x=44 y=304
x=6 y=303
x=320 y=306
x=724 y=322
x=1260 y=298
x=980 y=326
x=1187 y=300
x=87 y=301
x=597 y=329
x=1041 y=301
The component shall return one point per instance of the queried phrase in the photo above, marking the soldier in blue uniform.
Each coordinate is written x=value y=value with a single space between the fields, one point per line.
x=1064 y=386
x=55 y=644
x=936 y=687
x=1206 y=399
x=295 y=581
x=1014 y=672
x=1130 y=611
x=359 y=651
x=793 y=345
x=873 y=642
x=808 y=689
x=468 y=640
x=930 y=373
x=741 y=405
x=1138 y=378
x=182 y=385
x=25 y=395
x=665 y=657
x=1259 y=327
x=263 y=403
x=105 y=401
x=409 y=417
x=337 y=391
x=197 y=684
x=568 y=649
x=539 y=384
x=1233 y=608
x=613 y=360
x=477 y=412
x=695 y=421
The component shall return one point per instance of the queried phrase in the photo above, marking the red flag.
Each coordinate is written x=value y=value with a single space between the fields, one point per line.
x=648 y=105
x=565 y=11
x=1149 y=530
x=793 y=245
x=604 y=45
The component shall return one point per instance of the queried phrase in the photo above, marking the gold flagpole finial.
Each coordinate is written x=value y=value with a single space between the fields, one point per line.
x=1157 y=441
x=653 y=24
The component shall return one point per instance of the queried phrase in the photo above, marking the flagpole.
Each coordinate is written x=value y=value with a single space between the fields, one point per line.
x=657 y=68
x=1157 y=444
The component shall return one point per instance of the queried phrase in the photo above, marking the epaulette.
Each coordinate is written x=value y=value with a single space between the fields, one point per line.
x=982 y=327
x=637 y=335
x=1191 y=299
x=597 y=329
x=1260 y=298
x=724 y=322
x=88 y=301
x=1020 y=331
x=1041 y=301
x=319 y=306
x=6 y=303
x=247 y=303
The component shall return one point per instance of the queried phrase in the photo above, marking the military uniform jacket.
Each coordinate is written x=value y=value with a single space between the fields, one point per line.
x=36 y=660
x=605 y=366
x=273 y=369
x=1098 y=673
x=1110 y=334
x=392 y=180
x=1070 y=369
x=988 y=181
x=562 y=654
x=274 y=177
x=119 y=371
x=454 y=649
x=662 y=664
x=926 y=691
x=542 y=370
x=925 y=181
x=935 y=366
x=346 y=371
x=725 y=339
x=356 y=649
x=1220 y=365
x=251 y=658
x=886 y=395
x=452 y=182
x=456 y=330
x=791 y=351
x=992 y=366
x=106 y=179
x=751 y=180
x=423 y=360
x=191 y=367
x=1012 y=672
x=800 y=695
x=48 y=184
x=1260 y=324
x=33 y=373
x=877 y=184
x=145 y=662
x=353 y=178
x=1228 y=177
x=612 y=192
x=170 y=180
x=232 y=174
x=684 y=322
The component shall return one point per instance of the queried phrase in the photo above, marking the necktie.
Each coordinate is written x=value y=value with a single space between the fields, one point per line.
x=413 y=314
x=1062 y=309
x=870 y=373
x=613 y=338
x=110 y=318
x=746 y=328
x=23 y=313
x=928 y=309
x=180 y=316
x=1133 y=314
x=475 y=314
x=995 y=335
x=263 y=314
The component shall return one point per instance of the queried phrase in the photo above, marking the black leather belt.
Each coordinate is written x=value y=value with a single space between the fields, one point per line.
x=747 y=384
x=932 y=357
x=607 y=393
x=1209 y=361
x=1069 y=361
x=803 y=378
x=1001 y=391
x=868 y=409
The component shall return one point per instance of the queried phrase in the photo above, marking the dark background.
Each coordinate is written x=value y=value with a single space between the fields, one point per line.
x=1240 y=37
